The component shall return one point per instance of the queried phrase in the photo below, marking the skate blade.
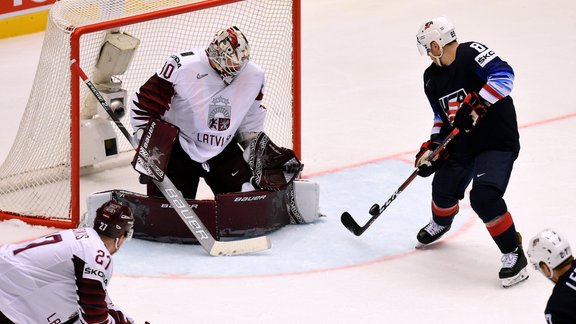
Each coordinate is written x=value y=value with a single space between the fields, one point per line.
x=521 y=276
x=421 y=245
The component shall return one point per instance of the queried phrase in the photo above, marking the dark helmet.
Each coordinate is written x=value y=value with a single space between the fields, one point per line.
x=114 y=219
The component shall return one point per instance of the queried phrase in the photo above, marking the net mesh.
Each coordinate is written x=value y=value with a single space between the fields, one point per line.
x=35 y=178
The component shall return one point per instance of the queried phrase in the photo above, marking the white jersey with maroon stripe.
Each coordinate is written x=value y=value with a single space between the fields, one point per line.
x=190 y=94
x=52 y=279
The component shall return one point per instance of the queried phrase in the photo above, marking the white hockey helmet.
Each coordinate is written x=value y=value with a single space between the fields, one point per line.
x=229 y=52
x=439 y=30
x=549 y=247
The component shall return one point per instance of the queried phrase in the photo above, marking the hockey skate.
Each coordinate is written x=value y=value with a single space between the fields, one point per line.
x=514 y=266
x=430 y=233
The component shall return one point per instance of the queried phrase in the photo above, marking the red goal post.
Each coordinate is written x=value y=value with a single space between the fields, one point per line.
x=41 y=177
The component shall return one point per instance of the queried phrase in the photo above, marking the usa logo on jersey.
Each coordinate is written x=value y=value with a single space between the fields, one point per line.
x=450 y=103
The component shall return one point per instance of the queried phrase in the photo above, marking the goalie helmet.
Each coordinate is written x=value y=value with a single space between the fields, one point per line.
x=439 y=30
x=228 y=53
x=114 y=219
x=549 y=247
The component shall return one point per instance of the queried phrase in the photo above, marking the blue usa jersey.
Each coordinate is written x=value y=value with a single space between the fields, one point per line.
x=560 y=308
x=476 y=68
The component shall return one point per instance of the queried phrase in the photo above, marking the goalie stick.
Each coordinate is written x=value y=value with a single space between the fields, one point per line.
x=376 y=210
x=177 y=201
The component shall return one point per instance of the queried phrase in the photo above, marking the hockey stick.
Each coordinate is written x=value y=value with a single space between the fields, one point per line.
x=376 y=210
x=177 y=201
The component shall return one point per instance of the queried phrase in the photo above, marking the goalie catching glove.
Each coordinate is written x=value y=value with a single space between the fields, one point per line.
x=273 y=167
x=425 y=165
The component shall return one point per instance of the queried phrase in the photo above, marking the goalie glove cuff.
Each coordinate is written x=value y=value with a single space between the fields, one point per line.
x=245 y=138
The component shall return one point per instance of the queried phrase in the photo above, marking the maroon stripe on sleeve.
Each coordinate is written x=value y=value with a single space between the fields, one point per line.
x=155 y=95
x=91 y=295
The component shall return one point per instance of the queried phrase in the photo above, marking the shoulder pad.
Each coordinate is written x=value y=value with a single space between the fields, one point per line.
x=176 y=59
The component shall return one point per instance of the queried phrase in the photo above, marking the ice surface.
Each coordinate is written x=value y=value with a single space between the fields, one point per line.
x=364 y=116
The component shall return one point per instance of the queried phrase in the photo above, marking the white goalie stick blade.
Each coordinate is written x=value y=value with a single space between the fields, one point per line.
x=256 y=244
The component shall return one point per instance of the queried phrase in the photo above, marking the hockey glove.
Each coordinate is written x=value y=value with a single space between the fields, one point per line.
x=425 y=165
x=273 y=167
x=471 y=109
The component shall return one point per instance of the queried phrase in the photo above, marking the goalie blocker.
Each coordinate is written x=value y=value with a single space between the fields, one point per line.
x=233 y=215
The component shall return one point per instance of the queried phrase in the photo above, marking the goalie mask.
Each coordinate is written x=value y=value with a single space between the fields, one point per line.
x=439 y=30
x=114 y=219
x=548 y=247
x=228 y=53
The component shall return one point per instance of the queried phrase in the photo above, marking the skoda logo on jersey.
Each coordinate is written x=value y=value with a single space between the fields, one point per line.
x=219 y=112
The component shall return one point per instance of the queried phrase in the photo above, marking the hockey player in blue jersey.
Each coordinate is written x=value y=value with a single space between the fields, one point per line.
x=468 y=86
x=550 y=253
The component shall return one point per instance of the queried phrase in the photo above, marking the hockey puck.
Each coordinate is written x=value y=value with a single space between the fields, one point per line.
x=374 y=210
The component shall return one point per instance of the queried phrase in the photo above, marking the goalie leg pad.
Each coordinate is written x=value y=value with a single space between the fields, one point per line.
x=238 y=215
x=303 y=199
x=251 y=214
x=154 y=217
x=93 y=202
x=247 y=214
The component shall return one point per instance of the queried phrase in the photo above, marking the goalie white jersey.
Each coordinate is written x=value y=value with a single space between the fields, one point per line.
x=56 y=279
x=190 y=94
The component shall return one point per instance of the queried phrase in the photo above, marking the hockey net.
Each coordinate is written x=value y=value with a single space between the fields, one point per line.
x=41 y=176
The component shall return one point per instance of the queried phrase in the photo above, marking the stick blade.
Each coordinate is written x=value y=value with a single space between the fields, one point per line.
x=350 y=223
x=228 y=248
